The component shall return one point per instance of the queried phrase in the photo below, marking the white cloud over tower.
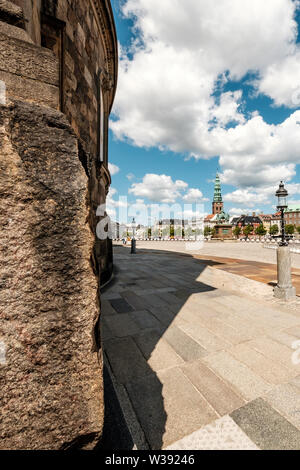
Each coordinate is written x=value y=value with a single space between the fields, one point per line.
x=184 y=50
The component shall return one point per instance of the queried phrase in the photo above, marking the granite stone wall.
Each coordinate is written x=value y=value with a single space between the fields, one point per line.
x=55 y=58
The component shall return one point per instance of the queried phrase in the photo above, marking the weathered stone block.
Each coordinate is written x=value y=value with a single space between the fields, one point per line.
x=14 y=32
x=34 y=91
x=28 y=61
x=10 y=12
x=51 y=391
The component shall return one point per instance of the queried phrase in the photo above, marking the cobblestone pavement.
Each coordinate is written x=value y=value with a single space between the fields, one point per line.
x=200 y=358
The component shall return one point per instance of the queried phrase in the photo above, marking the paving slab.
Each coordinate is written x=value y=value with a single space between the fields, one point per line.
x=164 y=315
x=270 y=370
x=145 y=319
x=168 y=407
x=244 y=380
x=217 y=391
x=157 y=351
x=286 y=399
x=268 y=429
x=222 y=434
x=134 y=300
x=122 y=325
x=120 y=305
x=126 y=360
x=276 y=352
x=183 y=344
x=203 y=336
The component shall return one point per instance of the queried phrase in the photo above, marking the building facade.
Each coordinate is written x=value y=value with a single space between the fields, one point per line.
x=245 y=220
x=292 y=216
x=58 y=76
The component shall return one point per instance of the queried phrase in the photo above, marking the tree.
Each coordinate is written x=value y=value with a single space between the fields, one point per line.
x=207 y=231
x=260 y=230
x=237 y=231
x=149 y=232
x=273 y=230
x=298 y=229
x=289 y=229
x=172 y=231
x=247 y=230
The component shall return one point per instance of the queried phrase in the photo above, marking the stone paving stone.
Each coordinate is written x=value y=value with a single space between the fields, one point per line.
x=221 y=329
x=265 y=314
x=121 y=306
x=183 y=344
x=203 y=336
x=154 y=300
x=276 y=352
x=122 y=325
x=144 y=319
x=156 y=350
x=284 y=338
x=296 y=381
x=266 y=427
x=164 y=315
x=109 y=295
x=134 y=300
x=216 y=391
x=222 y=434
x=245 y=381
x=286 y=399
x=106 y=332
x=295 y=331
x=184 y=294
x=238 y=321
x=170 y=298
x=126 y=360
x=269 y=370
x=106 y=308
x=168 y=407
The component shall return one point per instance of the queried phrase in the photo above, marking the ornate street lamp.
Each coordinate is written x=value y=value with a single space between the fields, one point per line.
x=284 y=289
x=282 y=195
x=133 y=240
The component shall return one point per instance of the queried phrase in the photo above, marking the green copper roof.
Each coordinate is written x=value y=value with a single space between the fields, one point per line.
x=217 y=192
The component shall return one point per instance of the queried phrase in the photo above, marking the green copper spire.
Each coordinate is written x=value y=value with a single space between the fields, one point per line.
x=217 y=192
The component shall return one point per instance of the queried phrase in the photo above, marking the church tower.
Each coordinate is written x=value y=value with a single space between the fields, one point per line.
x=217 y=205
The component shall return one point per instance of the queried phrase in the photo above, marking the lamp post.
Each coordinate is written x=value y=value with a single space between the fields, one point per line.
x=133 y=240
x=284 y=289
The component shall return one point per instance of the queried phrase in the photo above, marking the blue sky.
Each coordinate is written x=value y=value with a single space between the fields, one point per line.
x=193 y=98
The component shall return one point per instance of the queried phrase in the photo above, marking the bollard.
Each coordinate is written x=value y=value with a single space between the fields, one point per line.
x=133 y=246
x=284 y=289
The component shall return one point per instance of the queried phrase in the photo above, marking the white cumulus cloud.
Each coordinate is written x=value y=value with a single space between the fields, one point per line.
x=113 y=169
x=158 y=188
x=185 y=49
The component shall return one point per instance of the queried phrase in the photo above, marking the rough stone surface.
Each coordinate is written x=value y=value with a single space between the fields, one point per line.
x=14 y=32
x=11 y=12
x=28 y=60
x=21 y=88
x=266 y=427
x=51 y=363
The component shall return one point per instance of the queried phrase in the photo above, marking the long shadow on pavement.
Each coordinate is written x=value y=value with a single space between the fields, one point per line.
x=144 y=347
